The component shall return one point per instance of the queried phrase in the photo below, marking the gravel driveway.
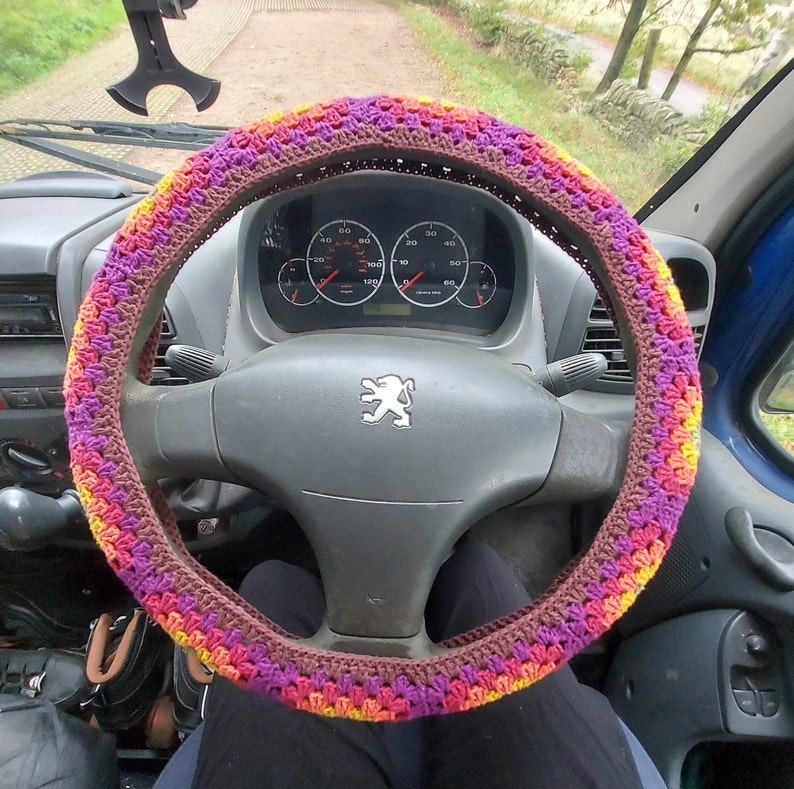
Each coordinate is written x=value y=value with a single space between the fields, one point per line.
x=269 y=54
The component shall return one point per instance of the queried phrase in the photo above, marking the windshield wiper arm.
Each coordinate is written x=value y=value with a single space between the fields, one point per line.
x=40 y=135
x=85 y=159
x=185 y=136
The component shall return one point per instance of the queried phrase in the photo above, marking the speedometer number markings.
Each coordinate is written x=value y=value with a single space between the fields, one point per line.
x=345 y=262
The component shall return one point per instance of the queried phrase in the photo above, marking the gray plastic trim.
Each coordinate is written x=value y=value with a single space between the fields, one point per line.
x=66 y=183
x=673 y=685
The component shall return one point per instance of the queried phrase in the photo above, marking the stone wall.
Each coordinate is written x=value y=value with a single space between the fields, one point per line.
x=635 y=116
x=538 y=49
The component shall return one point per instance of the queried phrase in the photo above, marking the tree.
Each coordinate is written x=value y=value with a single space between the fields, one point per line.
x=780 y=42
x=732 y=15
x=627 y=36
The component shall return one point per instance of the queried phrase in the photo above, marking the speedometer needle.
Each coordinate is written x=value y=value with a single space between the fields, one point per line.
x=328 y=279
x=411 y=282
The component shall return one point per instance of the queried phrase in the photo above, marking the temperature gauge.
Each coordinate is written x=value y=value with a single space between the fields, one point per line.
x=294 y=283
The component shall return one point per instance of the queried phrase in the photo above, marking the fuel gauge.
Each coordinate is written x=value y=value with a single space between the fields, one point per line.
x=294 y=283
x=479 y=287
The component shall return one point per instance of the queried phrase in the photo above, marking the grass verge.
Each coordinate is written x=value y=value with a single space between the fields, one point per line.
x=476 y=78
x=781 y=427
x=38 y=35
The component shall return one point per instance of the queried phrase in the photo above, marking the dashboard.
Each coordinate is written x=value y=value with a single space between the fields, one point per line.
x=383 y=250
x=374 y=252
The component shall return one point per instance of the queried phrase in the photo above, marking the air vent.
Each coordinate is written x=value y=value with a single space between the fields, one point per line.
x=697 y=336
x=599 y=310
x=168 y=332
x=606 y=342
x=162 y=374
x=604 y=339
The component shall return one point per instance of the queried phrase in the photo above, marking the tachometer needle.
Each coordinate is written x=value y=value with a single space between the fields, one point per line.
x=294 y=296
x=479 y=298
x=328 y=279
x=411 y=282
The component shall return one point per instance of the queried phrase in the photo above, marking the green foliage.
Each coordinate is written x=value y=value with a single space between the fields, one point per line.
x=486 y=19
x=38 y=35
x=711 y=117
x=675 y=153
x=631 y=68
x=735 y=14
x=581 y=60
x=781 y=426
x=480 y=79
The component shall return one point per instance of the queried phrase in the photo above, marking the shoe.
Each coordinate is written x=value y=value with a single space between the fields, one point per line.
x=191 y=684
x=124 y=666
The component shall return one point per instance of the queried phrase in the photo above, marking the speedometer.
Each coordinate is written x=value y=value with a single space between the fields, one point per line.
x=429 y=264
x=345 y=261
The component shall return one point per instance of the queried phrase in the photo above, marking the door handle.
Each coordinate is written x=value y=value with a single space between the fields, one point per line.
x=769 y=552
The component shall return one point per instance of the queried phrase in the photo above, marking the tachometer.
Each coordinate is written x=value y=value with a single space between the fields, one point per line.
x=294 y=283
x=345 y=261
x=479 y=287
x=429 y=264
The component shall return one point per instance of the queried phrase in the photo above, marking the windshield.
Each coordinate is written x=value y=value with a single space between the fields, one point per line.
x=630 y=89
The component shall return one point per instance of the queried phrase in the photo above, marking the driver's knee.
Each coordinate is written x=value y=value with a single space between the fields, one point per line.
x=288 y=595
x=474 y=586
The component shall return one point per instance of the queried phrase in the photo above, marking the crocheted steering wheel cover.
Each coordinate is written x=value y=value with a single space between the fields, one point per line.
x=135 y=529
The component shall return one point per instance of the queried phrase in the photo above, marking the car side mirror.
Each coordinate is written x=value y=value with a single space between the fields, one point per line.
x=780 y=399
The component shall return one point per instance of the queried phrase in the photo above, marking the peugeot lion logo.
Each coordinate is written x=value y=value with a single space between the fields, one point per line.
x=393 y=396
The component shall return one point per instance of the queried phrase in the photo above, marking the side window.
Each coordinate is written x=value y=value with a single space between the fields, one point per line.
x=776 y=402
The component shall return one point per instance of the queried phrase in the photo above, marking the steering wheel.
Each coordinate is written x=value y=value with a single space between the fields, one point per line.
x=386 y=449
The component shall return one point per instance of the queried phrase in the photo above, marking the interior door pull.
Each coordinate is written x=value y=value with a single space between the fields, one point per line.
x=769 y=552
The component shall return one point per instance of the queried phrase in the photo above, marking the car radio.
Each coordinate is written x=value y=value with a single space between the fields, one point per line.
x=28 y=310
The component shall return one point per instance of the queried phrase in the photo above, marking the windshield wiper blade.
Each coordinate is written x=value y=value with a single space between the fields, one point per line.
x=85 y=159
x=40 y=135
x=185 y=136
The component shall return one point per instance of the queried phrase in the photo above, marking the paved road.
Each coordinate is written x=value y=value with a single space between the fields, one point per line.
x=689 y=97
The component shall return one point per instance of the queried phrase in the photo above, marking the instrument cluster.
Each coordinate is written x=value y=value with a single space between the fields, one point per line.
x=381 y=250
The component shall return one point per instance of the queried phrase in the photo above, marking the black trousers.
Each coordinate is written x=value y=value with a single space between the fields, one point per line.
x=556 y=733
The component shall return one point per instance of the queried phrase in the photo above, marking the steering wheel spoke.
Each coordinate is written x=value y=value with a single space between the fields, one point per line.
x=171 y=431
x=378 y=560
x=590 y=460
x=418 y=647
x=385 y=464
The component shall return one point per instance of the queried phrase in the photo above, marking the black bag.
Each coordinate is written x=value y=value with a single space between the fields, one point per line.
x=44 y=674
x=40 y=746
